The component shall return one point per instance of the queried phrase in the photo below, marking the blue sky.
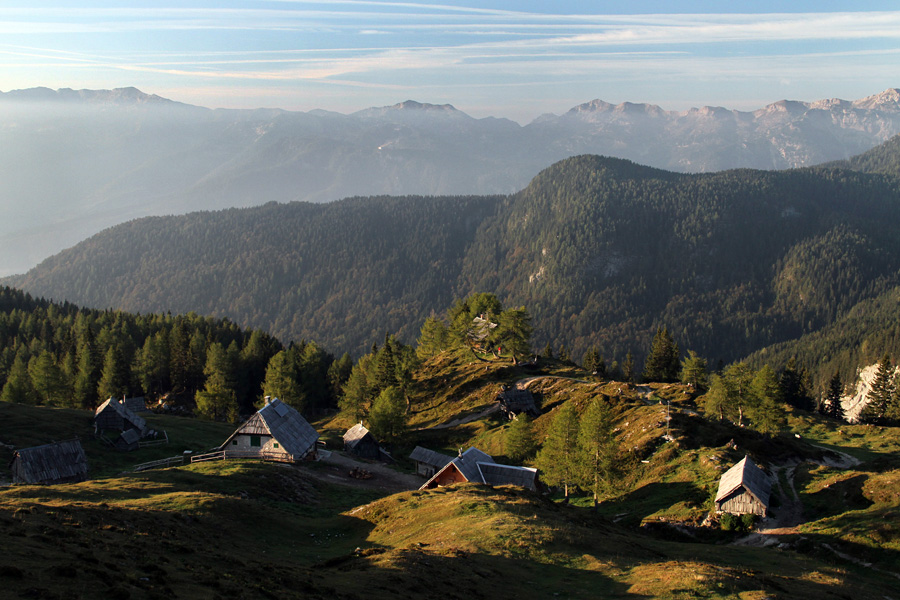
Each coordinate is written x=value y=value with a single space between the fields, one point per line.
x=515 y=59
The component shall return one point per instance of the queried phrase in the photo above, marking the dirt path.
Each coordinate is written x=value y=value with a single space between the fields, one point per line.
x=334 y=467
x=468 y=418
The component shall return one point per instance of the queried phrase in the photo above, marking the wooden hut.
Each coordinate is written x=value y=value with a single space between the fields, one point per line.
x=475 y=466
x=129 y=440
x=516 y=401
x=428 y=461
x=359 y=441
x=136 y=405
x=59 y=462
x=276 y=432
x=114 y=415
x=744 y=489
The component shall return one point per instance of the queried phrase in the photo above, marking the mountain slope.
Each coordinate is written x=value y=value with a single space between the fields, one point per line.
x=600 y=250
x=74 y=162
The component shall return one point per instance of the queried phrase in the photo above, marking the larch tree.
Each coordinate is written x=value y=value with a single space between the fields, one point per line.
x=218 y=400
x=558 y=458
x=521 y=442
x=598 y=450
x=47 y=379
x=283 y=380
x=387 y=418
x=114 y=375
x=767 y=415
x=513 y=333
x=694 y=372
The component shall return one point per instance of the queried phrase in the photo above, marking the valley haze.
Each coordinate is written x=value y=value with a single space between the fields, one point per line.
x=73 y=162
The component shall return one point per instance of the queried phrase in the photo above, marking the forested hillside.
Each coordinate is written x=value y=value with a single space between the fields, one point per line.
x=602 y=252
x=64 y=356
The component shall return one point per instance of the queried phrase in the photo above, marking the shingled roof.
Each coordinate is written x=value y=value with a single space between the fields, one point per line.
x=283 y=423
x=355 y=435
x=497 y=474
x=746 y=474
x=59 y=462
x=430 y=457
x=478 y=467
x=121 y=411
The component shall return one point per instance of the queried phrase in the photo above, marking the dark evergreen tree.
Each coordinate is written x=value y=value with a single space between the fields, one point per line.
x=663 y=361
x=794 y=387
x=832 y=402
x=878 y=407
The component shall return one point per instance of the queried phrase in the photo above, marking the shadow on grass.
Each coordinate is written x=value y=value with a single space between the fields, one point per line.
x=632 y=508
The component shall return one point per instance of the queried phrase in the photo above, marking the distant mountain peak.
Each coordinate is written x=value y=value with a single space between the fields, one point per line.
x=126 y=95
x=413 y=105
x=889 y=99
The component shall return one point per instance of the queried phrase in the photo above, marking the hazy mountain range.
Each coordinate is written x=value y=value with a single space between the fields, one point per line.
x=75 y=162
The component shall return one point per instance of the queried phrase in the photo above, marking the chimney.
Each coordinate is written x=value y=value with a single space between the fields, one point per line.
x=268 y=400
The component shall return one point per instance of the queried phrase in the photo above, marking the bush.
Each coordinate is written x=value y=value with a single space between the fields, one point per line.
x=737 y=523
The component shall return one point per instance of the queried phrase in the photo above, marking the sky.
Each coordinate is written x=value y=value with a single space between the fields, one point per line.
x=514 y=59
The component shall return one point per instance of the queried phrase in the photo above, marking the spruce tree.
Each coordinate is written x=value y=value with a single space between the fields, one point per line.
x=663 y=361
x=558 y=458
x=880 y=396
x=832 y=401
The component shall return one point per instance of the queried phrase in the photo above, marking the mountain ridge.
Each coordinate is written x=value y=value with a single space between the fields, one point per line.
x=92 y=159
x=600 y=250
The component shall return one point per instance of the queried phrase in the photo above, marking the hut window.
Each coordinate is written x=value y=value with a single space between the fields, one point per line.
x=254 y=441
x=275 y=445
x=234 y=442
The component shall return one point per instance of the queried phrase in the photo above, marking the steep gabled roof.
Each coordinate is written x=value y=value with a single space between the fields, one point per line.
x=430 y=457
x=467 y=464
x=120 y=409
x=49 y=463
x=356 y=434
x=746 y=474
x=283 y=423
x=136 y=405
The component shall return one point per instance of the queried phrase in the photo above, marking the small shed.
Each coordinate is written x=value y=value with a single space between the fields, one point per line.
x=129 y=440
x=136 y=405
x=59 y=462
x=359 y=441
x=114 y=415
x=428 y=461
x=276 y=432
x=744 y=489
x=475 y=466
x=516 y=401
